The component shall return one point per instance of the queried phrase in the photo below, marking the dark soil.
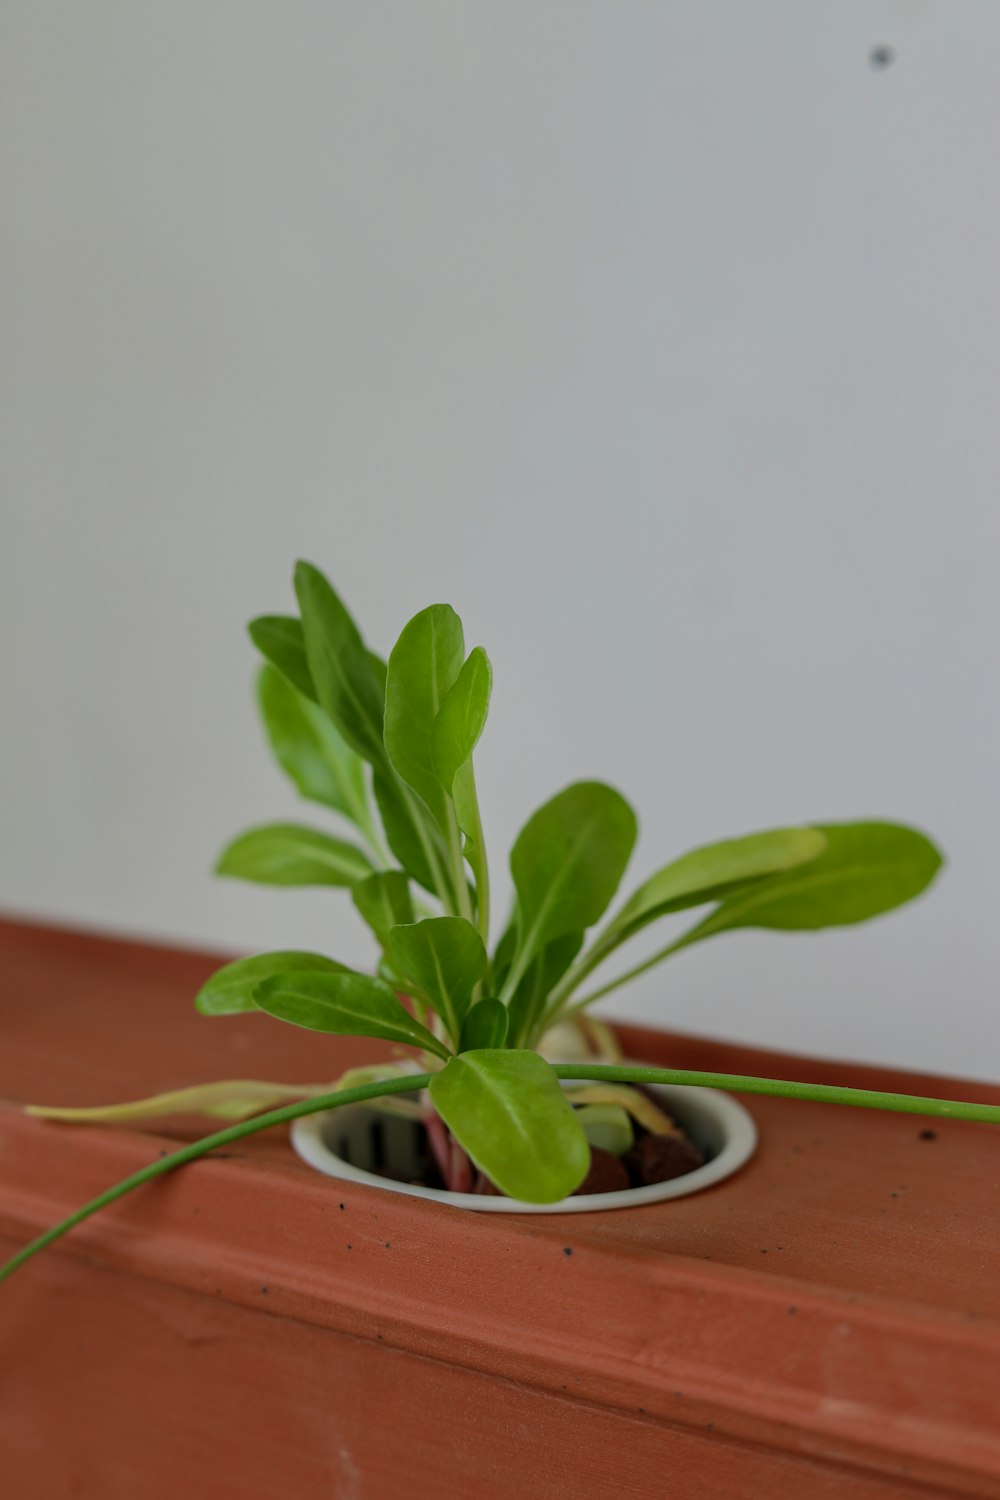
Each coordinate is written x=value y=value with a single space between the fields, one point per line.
x=651 y=1158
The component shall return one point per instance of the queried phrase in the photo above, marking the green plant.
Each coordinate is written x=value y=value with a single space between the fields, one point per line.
x=351 y=731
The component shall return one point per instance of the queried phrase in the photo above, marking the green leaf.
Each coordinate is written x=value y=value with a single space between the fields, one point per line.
x=527 y=1004
x=485 y=1025
x=567 y=863
x=230 y=989
x=230 y=1099
x=344 y=1005
x=714 y=871
x=279 y=638
x=384 y=901
x=444 y=958
x=503 y=953
x=402 y=831
x=866 y=869
x=288 y=854
x=461 y=718
x=310 y=750
x=423 y=665
x=607 y=1126
x=508 y=1112
x=346 y=674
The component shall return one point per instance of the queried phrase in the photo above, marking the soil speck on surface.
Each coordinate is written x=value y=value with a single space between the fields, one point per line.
x=264 y=1290
x=927 y=1135
x=792 y=1310
x=567 y=1250
x=881 y=57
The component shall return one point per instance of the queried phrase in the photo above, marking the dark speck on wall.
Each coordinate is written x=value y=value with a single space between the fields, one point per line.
x=881 y=57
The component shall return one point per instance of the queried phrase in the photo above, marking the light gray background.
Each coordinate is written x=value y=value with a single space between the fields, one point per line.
x=661 y=339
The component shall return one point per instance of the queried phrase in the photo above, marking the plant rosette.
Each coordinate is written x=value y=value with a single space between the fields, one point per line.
x=723 y=1131
x=387 y=748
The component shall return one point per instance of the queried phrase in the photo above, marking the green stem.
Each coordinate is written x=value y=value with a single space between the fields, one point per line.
x=209 y=1143
x=818 y=1093
x=560 y=1011
x=458 y=864
x=480 y=868
x=438 y=868
x=574 y=976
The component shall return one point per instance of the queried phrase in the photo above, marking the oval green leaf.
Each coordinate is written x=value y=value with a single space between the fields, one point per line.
x=384 y=902
x=280 y=639
x=527 y=1004
x=567 y=864
x=716 y=870
x=462 y=718
x=311 y=752
x=607 y=1126
x=346 y=1004
x=508 y=1112
x=406 y=835
x=444 y=959
x=230 y=989
x=423 y=666
x=865 y=870
x=485 y=1025
x=346 y=674
x=289 y=854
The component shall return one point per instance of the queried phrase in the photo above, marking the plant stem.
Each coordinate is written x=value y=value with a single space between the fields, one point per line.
x=209 y=1143
x=819 y=1093
x=562 y=1010
x=458 y=864
x=480 y=868
x=438 y=868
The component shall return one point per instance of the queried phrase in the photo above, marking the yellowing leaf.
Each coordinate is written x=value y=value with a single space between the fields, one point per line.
x=637 y=1104
x=229 y=1099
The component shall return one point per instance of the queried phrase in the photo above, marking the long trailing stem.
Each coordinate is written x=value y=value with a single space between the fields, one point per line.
x=740 y=1083
x=817 y=1093
x=359 y=1095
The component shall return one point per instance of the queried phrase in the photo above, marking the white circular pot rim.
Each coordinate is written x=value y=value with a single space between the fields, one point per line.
x=736 y=1124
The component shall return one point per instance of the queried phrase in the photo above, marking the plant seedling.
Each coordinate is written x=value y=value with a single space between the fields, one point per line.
x=387 y=747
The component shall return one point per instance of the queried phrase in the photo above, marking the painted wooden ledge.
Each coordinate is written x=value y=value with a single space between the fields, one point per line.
x=825 y=1324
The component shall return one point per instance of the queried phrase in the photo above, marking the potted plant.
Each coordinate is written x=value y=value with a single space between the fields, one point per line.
x=495 y=1123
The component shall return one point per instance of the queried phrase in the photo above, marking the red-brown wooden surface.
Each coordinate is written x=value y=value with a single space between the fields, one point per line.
x=825 y=1324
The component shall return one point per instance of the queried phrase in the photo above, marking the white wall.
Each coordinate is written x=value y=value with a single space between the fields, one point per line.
x=660 y=338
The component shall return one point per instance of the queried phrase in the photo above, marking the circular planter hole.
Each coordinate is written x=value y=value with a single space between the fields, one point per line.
x=357 y=1145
